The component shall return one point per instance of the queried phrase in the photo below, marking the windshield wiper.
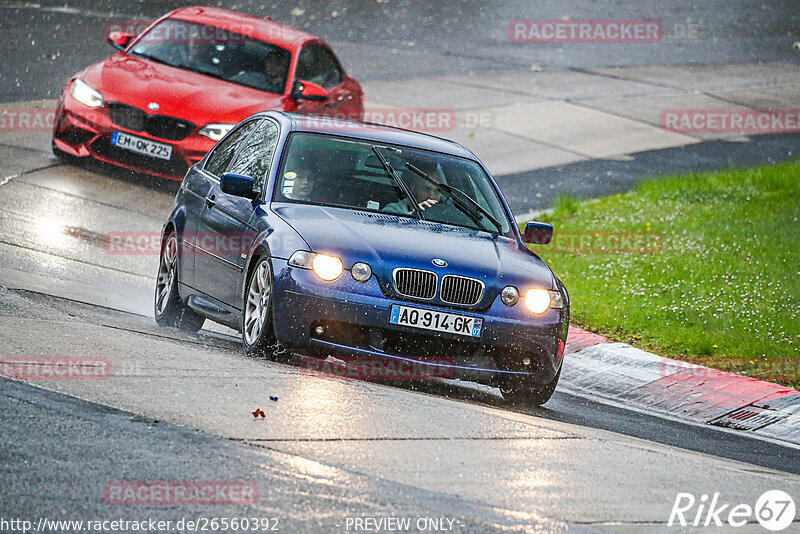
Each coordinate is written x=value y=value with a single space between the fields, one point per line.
x=469 y=209
x=398 y=181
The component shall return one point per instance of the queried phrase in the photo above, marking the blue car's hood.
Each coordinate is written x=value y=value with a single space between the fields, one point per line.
x=386 y=242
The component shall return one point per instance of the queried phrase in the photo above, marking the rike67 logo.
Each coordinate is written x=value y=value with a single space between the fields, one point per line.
x=774 y=510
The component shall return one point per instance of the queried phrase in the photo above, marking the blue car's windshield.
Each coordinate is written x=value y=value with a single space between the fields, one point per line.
x=347 y=173
x=217 y=53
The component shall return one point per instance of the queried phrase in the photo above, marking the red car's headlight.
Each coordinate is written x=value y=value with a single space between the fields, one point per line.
x=85 y=94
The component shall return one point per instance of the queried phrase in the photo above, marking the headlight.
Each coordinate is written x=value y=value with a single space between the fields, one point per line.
x=302 y=259
x=215 y=132
x=509 y=295
x=361 y=272
x=328 y=268
x=539 y=300
x=85 y=94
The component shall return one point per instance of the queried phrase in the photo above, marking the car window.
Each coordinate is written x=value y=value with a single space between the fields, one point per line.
x=256 y=154
x=218 y=53
x=317 y=64
x=347 y=173
x=223 y=152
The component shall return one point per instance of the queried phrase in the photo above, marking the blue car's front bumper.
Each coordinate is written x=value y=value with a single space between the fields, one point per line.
x=354 y=321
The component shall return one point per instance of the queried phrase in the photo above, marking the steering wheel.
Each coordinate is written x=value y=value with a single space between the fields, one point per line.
x=444 y=212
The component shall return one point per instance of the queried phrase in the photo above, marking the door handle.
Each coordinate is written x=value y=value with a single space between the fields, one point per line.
x=211 y=200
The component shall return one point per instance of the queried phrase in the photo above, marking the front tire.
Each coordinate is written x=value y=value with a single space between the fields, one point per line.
x=258 y=334
x=170 y=311
x=523 y=391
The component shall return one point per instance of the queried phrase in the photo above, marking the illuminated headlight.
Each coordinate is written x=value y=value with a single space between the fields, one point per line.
x=361 y=272
x=215 y=132
x=85 y=94
x=539 y=300
x=326 y=267
x=509 y=295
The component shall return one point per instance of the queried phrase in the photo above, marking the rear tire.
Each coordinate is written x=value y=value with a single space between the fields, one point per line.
x=522 y=390
x=169 y=310
x=258 y=334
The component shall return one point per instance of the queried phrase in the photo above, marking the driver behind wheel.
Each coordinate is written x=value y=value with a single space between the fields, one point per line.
x=301 y=182
x=425 y=193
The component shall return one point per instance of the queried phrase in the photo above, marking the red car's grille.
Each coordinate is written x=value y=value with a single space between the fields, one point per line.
x=137 y=120
x=127 y=116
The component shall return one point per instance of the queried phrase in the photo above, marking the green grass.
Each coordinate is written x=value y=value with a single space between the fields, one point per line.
x=724 y=289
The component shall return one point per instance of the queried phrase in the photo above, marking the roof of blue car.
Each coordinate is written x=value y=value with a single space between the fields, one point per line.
x=372 y=132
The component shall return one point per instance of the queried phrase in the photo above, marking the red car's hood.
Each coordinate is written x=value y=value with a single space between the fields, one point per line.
x=178 y=93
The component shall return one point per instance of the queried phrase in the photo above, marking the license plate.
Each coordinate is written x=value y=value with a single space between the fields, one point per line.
x=141 y=146
x=437 y=321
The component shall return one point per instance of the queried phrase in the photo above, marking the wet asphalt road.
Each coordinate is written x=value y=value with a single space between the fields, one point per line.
x=52 y=223
x=56 y=248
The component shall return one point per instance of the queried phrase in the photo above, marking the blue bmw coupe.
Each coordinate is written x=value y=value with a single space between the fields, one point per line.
x=334 y=237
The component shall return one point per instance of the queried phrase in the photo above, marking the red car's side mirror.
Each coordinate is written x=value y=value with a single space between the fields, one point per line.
x=119 y=40
x=538 y=233
x=304 y=90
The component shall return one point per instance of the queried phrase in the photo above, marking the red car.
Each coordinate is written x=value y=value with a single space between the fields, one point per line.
x=170 y=94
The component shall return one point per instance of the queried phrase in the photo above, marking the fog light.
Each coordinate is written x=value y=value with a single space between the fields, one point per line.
x=361 y=272
x=509 y=295
x=319 y=330
x=526 y=361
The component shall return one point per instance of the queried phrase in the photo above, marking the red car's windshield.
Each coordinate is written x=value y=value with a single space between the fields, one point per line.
x=216 y=52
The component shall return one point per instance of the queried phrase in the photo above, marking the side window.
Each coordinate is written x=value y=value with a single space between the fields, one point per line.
x=256 y=155
x=317 y=64
x=222 y=154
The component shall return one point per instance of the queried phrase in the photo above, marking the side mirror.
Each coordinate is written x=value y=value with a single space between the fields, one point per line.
x=119 y=40
x=302 y=90
x=538 y=233
x=237 y=185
